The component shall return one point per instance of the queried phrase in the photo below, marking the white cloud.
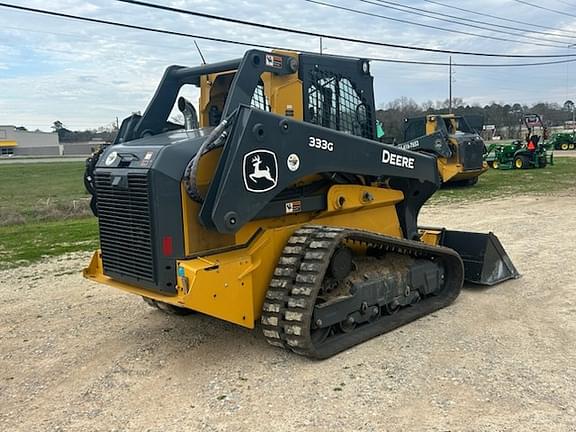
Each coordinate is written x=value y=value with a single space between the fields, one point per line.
x=87 y=74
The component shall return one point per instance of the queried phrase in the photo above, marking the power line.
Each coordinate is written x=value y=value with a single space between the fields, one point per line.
x=118 y=56
x=427 y=13
x=132 y=26
x=450 y=6
x=340 y=38
x=375 y=59
x=507 y=65
x=235 y=42
x=84 y=37
x=544 y=8
x=356 y=11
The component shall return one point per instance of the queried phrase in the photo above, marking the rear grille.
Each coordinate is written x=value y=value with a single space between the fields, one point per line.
x=472 y=154
x=125 y=233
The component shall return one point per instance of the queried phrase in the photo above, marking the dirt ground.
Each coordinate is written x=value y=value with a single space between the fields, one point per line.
x=76 y=356
x=565 y=153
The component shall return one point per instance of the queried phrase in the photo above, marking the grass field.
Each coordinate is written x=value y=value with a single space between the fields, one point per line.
x=44 y=208
x=26 y=243
x=44 y=211
x=505 y=183
x=42 y=192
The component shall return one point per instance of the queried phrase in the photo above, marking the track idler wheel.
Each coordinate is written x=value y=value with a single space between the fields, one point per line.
x=341 y=263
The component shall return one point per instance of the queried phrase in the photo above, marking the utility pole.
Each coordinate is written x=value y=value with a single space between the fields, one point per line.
x=450 y=87
x=571 y=106
x=568 y=70
x=320 y=45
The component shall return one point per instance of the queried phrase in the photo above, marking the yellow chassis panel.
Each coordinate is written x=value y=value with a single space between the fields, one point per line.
x=231 y=285
x=453 y=171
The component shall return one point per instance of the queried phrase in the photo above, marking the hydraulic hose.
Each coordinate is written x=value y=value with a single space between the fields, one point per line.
x=89 y=182
x=215 y=139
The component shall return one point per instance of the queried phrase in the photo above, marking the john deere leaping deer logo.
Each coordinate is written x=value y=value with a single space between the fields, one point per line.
x=260 y=171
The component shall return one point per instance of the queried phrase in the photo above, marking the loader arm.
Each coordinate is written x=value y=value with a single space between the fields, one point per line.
x=263 y=144
x=459 y=150
x=435 y=143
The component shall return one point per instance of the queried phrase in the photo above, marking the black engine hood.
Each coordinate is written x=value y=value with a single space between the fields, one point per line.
x=168 y=152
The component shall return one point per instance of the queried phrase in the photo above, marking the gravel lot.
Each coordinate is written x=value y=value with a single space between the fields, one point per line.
x=565 y=153
x=76 y=356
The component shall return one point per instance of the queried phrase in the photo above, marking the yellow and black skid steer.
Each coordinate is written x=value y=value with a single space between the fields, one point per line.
x=461 y=161
x=275 y=202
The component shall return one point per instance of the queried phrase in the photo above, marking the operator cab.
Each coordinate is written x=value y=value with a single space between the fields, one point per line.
x=336 y=93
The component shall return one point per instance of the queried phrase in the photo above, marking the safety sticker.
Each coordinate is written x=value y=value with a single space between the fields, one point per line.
x=273 y=61
x=293 y=207
x=147 y=159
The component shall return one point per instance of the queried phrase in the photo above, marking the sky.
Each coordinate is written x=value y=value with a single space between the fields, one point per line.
x=87 y=74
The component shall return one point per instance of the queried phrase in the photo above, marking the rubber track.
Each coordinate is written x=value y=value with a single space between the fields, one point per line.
x=289 y=305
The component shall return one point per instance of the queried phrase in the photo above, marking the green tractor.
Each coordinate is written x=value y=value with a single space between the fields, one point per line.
x=562 y=141
x=516 y=155
x=532 y=153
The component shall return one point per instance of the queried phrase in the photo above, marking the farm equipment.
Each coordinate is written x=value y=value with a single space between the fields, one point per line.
x=516 y=155
x=562 y=141
x=275 y=202
x=536 y=130
x=532 y=153
x=462 y=163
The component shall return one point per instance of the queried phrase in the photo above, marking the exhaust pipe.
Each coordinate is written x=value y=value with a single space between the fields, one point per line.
x=485 y=260
x=189 y=113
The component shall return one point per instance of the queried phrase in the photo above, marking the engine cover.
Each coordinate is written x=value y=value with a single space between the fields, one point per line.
x=139 y=209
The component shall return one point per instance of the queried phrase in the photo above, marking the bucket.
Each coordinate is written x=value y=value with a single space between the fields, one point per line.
x=485 y=260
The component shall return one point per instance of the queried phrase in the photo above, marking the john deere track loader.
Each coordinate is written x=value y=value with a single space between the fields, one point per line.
x=276 y=203
x=461 y=160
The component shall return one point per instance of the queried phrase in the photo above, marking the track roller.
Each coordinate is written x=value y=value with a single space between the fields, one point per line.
x=334 y=288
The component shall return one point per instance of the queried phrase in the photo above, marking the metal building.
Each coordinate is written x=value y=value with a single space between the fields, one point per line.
x=17 y=142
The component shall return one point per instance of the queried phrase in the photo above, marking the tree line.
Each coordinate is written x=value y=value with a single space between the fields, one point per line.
x=506 y=118
x=105 y=133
